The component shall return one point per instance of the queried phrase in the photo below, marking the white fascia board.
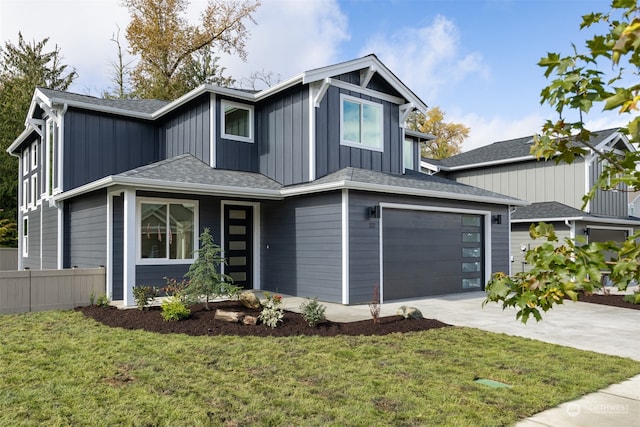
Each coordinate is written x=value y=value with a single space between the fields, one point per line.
x=279 y=87
x=20 y=139
x=486 y=164
x=618 y=221
x=205 y=88
x=361 y=63
x=429 y=166
x=380 y=188
x=169 y=186
x=369 y=92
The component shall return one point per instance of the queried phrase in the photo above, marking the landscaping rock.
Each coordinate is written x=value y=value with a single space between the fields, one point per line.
x=228 y=316
x=409 y=312
x=250 y=300
x=250 y=320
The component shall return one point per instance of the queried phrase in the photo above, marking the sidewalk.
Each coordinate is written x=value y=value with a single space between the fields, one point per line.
x=599 y=328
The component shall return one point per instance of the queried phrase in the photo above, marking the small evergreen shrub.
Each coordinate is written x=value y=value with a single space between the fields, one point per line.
x=143 y=295
x=174 y=309
x=272 y=311
x=313 y=312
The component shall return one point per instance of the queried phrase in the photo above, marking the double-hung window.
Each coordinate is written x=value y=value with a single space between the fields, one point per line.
x=237 y=121
x=25 y=162
x=25 y=236
x=34 y=156
x=361 y=123
x=167 y=230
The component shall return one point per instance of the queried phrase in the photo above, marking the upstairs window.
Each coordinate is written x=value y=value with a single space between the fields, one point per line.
x=361 y=123
x=34 y=156
x=407 y=153
x=25 y=161
x=237 y=121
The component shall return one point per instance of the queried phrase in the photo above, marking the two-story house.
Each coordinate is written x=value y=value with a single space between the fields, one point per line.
x=311 y=188
x=555 y=191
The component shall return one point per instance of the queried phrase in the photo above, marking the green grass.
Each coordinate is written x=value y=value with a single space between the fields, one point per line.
x=59 y=368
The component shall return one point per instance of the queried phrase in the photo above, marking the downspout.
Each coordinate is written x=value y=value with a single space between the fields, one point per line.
x=572 y=228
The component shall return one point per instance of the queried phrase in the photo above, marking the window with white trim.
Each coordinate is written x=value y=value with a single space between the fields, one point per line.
x=25 y=193
x=167 y=230
x=407 y=153
x=34 y=190
x=25 y=236
x=50 y=156
x=25 y=161
x=361 y=123
x=237 y=121
x=34 y=155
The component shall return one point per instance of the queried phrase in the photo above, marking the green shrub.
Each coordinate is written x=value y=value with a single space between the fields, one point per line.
x=633 y=298
x=102 y=300
x=173 y=309
x=272 y=311
x=143 y=295
x=313 y=312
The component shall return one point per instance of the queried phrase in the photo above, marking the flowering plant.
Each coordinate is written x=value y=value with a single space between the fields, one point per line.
x=272 y=311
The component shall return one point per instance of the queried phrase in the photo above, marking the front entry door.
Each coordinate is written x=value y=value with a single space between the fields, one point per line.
x=238 y=244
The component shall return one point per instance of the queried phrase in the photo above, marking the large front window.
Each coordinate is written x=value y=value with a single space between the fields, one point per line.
x=167 y=230
x=237 y=121
x=361 y=123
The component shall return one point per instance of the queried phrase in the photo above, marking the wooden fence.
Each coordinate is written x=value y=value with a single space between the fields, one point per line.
x=39 y=290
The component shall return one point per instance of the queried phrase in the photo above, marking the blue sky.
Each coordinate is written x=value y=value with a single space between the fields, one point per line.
x=475 y=59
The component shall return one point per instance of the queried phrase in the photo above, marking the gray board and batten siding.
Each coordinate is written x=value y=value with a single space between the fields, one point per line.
x=187 y=130
x=608 y=202
x=49 y=216
x=282 y=129
x=302 y=246
x=331 y=156
x=364 y=237
x=85 y=230
x=232 y=154
x=98 y=145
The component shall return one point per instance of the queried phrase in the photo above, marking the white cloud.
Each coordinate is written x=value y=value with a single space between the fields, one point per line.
x=292 y=36
x=429 y=58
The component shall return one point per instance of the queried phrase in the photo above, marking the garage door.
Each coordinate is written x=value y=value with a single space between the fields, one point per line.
x=605 y=235
x=428 y=253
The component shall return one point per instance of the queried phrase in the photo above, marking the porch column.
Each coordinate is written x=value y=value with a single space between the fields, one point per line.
x=129 y=250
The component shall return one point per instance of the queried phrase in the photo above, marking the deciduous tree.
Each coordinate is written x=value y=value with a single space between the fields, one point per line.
x=605 y=75
x=175 y=56
x=448 y=136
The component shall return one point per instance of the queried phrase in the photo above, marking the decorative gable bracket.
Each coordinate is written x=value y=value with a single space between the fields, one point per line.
x=366 y=75
x=319 y=90
x=405 y=110
x=37 y=125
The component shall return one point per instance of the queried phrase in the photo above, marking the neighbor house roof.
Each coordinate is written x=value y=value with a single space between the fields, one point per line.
x=555 y=211
x=187 y=174
x=509 y=151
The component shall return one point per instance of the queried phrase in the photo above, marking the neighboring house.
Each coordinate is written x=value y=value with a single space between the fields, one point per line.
x=554 y=190
x=311 y=187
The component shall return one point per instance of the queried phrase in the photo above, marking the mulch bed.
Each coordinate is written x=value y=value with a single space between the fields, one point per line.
x=201 y=322
x=613 y=300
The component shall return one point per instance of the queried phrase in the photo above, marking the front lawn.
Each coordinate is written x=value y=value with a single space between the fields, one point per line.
x=60 y=368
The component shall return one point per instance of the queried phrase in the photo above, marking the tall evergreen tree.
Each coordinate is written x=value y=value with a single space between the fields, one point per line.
x=23 y=67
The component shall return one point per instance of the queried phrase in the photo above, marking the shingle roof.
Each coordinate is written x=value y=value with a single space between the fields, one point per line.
x=146 y=106
x=410 y=180
x=505 y=150
x=556 y=210
x=187 y=169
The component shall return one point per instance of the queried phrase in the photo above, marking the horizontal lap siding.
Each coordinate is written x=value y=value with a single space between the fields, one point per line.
x=188 y=131
x=520 y=238
x=86 y=230
x=49 y=236
x=301 y=239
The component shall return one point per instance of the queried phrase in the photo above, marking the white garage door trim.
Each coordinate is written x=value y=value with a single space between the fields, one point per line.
x=487 y=233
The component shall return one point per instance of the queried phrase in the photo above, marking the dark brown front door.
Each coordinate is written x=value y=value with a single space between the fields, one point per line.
x=238 y=244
